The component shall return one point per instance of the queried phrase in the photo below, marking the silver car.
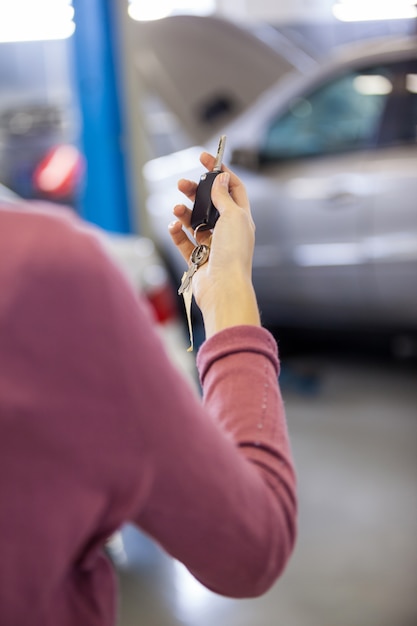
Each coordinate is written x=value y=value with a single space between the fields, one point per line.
x=329 y=157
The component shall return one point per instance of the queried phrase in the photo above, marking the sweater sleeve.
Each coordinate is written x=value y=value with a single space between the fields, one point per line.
x=259 y=428
x=223 y=501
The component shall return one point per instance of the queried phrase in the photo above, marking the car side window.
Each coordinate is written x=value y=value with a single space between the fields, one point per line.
x=399 y=121
x=343 y=114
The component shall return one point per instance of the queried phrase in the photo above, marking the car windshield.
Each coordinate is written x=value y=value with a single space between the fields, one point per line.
x=346 y=113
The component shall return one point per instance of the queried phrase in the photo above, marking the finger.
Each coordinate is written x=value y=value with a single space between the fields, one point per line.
x=207 y=160
x=183 y=214
x=188 y=188
x=220 y=192
x=236 y=187
x=221 y=197
x=180 y=239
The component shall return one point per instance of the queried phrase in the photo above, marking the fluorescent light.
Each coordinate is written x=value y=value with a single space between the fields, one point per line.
x=146 y=11
x=372 y=85
x=142 y=11
x=411 y=82
x=363 y=10
x=35 y=20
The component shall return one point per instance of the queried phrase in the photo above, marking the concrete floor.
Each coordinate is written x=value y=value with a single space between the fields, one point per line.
x=353 y=423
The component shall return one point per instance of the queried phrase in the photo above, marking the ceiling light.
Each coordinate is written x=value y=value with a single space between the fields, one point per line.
x=364 y=10
x=372 y=85
x=145 y=11
x=30 y=20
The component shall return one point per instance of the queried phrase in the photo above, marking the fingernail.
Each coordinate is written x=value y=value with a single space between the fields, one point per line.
x=224 y=179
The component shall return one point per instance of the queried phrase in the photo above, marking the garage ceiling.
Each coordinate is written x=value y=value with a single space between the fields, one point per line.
x=277 y=11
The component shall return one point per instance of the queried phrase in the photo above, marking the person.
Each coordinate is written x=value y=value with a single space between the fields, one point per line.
x=99 y=429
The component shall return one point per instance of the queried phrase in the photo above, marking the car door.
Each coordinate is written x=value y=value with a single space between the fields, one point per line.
x=391 y=242
x=314 y=154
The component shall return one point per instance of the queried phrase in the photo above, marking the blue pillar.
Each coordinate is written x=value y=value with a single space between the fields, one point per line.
x=105 y=195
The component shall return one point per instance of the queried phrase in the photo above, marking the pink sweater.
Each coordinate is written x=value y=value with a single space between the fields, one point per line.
x=97 y=428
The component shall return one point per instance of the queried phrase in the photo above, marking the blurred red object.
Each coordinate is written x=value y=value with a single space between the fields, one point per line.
x=59 y=172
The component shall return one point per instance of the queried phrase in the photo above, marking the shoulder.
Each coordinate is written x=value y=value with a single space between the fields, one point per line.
x=42 y=237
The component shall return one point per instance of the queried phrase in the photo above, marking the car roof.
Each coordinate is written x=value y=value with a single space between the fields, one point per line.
x=243 y=130
x=389 y=46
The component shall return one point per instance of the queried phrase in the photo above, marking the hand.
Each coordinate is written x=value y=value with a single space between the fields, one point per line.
x=223 y=286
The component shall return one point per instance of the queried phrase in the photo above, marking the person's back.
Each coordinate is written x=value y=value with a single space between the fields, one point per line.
x=62 y=458
x=97 y=428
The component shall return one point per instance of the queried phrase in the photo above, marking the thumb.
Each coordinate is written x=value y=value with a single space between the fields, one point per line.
x=220 y=191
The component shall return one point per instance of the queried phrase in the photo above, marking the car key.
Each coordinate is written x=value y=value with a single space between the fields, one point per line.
x=199 y=256
x=205 y=215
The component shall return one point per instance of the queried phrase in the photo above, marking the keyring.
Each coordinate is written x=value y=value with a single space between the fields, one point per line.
x=196 y=231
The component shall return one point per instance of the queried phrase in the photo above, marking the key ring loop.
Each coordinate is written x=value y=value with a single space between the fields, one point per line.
x=195 y=236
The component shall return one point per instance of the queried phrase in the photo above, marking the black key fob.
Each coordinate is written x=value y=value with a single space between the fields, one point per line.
x=205 y=214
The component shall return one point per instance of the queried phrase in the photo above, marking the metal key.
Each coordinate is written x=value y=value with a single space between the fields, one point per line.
x=198 y=257
x=205 y=214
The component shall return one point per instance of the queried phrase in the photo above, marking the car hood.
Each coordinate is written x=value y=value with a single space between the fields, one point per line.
x=208 y=70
